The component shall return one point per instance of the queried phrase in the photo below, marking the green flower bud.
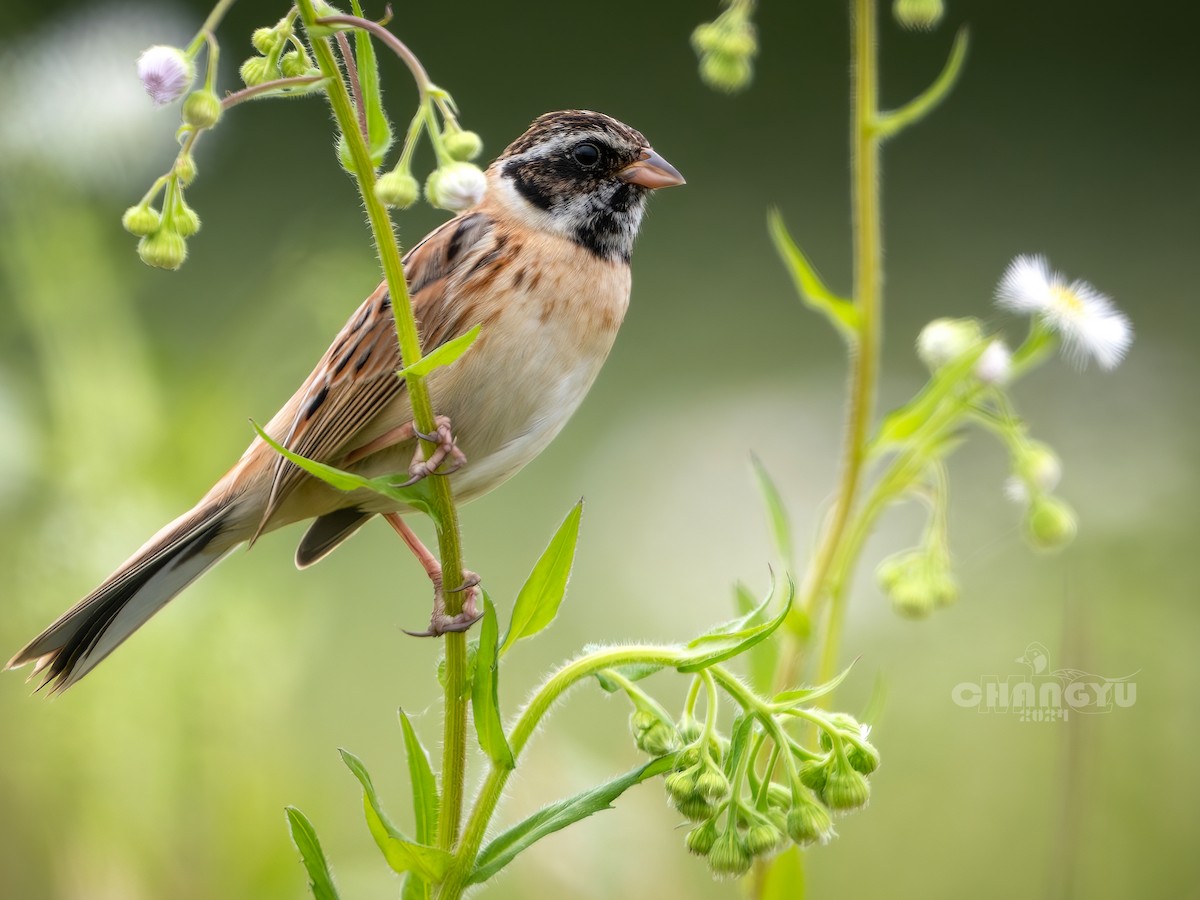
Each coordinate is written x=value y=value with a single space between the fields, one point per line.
x=323 y=10
x=265 y=40
x=680 y=785
x=707 y=37
x=256 y=70
x=165 y=249
x=397 y=189
x=688 y=757
x=729 y=855
x=184 y=219
x=762 y=838
x=185 y=169
x=657 y=740
x=712 y=784
x=295 y=63
x=842 y=722
x=813 y=775
x=202 y=109
x=944 y=340
x=778 y=796
x=463 y=145
x=918 y=14
x=917 y=581
x=689 y=730
x=845 y=788
x=725 y=73
x=864 y=759
x=809 y=822
x=1049 y=524
x=695 y=808
x=141 y=220
x=700 y=839
x=1037 y=467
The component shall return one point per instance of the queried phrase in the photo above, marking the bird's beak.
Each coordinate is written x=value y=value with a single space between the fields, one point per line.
x=651 y=171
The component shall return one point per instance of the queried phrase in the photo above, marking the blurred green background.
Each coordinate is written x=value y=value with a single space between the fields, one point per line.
x=124 y=392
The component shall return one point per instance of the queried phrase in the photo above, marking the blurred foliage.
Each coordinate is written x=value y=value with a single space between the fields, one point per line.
x=124 y=392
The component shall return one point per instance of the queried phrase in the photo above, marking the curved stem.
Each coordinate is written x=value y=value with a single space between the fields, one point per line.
x=210 y=25
x=255 y=91
x=454 y=734
x=394 y=44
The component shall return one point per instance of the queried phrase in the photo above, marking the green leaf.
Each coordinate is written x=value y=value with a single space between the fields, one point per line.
x=538 y=602
x=761 y=659
x=889 y=123
x=781 y=529
x=737 y=642
x=743 y=726
x=424 y=786
x=485 y=691
x=443 y=355
x=903 y=423
x=784 y=876
x=305 y=838
x=738 y=626
x=838 y=310
x=802 y=695
x=501 y=851
x=401 y=854
x=415 y=888
x=379 y=131
x=418 y=496
x=632 y=672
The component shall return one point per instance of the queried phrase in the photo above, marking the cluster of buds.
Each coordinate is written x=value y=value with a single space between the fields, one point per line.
x=457 y=183
x=751 y=795
x=943 y=341
x=280 y=54
x=163 y=234
x=727 y=47
x=1049 y=522
x=918 y=581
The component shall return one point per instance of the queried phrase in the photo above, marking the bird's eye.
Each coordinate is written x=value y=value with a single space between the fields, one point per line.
x=587 y=155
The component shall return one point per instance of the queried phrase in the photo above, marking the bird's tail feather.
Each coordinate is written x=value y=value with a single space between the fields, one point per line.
x=85 y=634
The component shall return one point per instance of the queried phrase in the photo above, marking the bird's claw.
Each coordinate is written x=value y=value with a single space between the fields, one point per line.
x=440 y=623
x=446 y=449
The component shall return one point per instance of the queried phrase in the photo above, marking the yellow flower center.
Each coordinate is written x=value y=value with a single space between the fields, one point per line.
x=1067 y=299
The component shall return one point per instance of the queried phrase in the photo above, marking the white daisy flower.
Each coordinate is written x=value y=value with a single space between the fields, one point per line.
x=1088 y=321
x=994 y=366
x=166 y=73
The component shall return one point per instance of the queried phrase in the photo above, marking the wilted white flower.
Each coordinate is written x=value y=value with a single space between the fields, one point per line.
x=456 y=186
x=166 y=73
x=1088 y=321
x=994 y=366
x=943 y=340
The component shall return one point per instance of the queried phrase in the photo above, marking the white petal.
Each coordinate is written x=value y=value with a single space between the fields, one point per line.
x=166 y=73
x=1026 y=285
x=995 y=365
x=1107 y=338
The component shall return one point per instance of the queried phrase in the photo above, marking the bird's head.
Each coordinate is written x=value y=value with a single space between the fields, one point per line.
x=582 y=175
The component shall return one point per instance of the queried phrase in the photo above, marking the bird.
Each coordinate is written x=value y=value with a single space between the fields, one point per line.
x=541 y=262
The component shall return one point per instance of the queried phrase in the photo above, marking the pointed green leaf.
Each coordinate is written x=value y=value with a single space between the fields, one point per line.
x=737 y=642
x=379 y=131
x=889 y=123
x=761 y=659
x=424 y=786
x=418 y=496
x=501 y=851
x=803 y=695
x=304 y=836
x=485 y=691
x=901 y=424
x=781 y=529
x=784 y=876
x=736 y=627
x=840 y=311
x=739 y=737
x=415 y=888
x=443 y=355
x=632 y=672
x=401 y=854
x=538 y=602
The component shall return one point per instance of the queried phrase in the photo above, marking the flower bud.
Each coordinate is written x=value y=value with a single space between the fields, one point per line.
x=917 y=581
x=322 y=10
x=778 y=796
x=1037 y=466
x=712 y=784
x=295 y=63
x=463 y=145
x=657 y=740
x=864 y=759
x=397 y=189
x=166 y=73
x=845 y=788
x=1049 y=523
x=265 y=40
x=943 y=340
x=202 y=109
x=680 y=785
x=841 y=722
x=762 y=838
x=994 y=366
x=141 y=220
x=728 y=855
x=689 y=730
x=455 y=186
x=918 y=14
x=809 y=822
x=700 y=839
x=185 y=169
x=184 y=220
x=813 y=774
x=695 y=808
x=165 y=249
x=723 y=72
x=256 y=70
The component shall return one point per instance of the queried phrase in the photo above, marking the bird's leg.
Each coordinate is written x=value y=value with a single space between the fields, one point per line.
x=439 y=622
x=420 y=467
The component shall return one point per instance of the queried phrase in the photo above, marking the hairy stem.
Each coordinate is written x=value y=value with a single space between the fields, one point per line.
x=454 y=737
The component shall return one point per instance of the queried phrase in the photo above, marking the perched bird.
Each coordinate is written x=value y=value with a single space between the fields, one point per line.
x=542 y=263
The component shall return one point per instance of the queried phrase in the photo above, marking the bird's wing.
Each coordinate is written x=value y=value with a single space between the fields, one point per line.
x=356 y=378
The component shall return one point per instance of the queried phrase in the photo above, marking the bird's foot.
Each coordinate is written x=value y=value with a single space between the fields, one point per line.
x=440 y=623
x=445 y=451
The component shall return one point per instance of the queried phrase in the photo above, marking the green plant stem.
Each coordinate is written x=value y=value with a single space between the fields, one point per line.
x=210 y=25
x=868 y=296
x=454 y=735
x=545 y=697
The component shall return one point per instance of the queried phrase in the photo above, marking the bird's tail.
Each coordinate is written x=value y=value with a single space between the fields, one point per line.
x=97 y=624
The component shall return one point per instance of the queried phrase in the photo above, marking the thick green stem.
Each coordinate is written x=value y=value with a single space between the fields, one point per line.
x=454 y=737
